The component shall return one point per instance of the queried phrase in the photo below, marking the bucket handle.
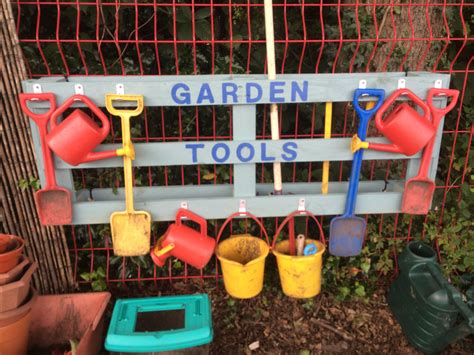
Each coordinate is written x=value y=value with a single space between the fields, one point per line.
x=182 y=212
x=293 y=215
x=104 y=130
x=242 y=214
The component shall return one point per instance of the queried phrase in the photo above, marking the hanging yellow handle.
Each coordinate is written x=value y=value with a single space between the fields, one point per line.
x=127 y=146
x=327 y=135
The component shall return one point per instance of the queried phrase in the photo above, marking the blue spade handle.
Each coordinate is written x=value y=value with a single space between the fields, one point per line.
x=364 y=117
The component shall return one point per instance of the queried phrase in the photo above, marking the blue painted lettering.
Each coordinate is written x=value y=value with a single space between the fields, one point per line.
x=276 y=88
x=248 y=92
x=229 y=89
x=183 y=97
x=194 y=147
x=226 y=155
x=205 y=94
x=251 y=150
x=302 y=92
x=264 y=153
x=290 y=152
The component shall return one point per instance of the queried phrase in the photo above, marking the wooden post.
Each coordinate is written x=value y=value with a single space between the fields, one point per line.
x=46 y=245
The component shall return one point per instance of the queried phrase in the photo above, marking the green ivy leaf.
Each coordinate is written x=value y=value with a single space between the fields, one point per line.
x=85 y=276
x=360 y=291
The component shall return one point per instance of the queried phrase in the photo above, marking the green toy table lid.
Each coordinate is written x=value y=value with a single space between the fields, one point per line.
x=156 y=324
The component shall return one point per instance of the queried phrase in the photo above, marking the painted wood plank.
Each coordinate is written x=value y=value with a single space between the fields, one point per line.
x=244 y=128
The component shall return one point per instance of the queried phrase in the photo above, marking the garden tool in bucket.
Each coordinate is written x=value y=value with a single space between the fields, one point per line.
x=300 y=276
x=408 y=131
x=271 y=69
x=419 y=190
x=53 y=202
x=242 y=258
x=75 y=138
x=131 y=229
x=347 y=232
x=185 y=243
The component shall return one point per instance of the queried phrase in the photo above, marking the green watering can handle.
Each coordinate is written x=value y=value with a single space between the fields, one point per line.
x=454 y=295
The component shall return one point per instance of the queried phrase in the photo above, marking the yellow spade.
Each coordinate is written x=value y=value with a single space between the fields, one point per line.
x=131 y=229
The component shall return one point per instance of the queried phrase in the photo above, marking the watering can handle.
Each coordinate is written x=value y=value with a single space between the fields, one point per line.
x=38 y=118
x=453 y=294
x=438 y=92
x=379 y=123
x=182 y=212
x=104 y=131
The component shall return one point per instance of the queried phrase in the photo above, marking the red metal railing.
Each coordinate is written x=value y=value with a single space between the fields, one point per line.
x=149 y=37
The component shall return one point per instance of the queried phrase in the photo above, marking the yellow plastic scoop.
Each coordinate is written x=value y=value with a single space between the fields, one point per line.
x=131 y=230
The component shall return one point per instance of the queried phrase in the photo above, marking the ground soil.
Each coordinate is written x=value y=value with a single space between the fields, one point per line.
x=275 y=324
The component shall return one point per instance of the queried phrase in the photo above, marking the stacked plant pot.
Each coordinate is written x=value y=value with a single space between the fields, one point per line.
x=16 y=295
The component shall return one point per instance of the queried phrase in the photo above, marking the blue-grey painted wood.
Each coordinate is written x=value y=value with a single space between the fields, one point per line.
x=176 y=153
x=157 y=89
x=218 y=201
x=244 y=127
x=221 y=200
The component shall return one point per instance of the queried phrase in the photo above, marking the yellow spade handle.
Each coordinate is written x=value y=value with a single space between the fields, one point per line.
x=127 y=145
x=327 y=135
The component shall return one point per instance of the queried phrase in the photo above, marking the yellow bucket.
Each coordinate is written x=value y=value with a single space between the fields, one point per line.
x=300 y=276
x=242 y=259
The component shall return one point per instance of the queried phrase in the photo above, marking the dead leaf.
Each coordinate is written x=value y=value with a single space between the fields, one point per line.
x=255 y=345
x=209 y=176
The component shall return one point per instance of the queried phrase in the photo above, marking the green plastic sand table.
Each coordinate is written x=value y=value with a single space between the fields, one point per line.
x=157 y=324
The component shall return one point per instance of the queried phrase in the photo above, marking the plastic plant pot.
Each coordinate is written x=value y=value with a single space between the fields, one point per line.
x=13 y=294
x=14 y=336
x=57 y=319
x=15 y=273
x=11 y=248
x=14 y=327
x=12 y=316
x=165 y=325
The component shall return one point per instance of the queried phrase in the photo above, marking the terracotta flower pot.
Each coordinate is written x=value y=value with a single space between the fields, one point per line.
x=15 y=273
x=14 y=337
x=13 y=294
x=56 y=319
x=7 y=318
x=14 y=327
x=11 y=248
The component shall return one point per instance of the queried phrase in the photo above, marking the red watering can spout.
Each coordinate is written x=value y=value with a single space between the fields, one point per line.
x=408 y=131
x=75 y=138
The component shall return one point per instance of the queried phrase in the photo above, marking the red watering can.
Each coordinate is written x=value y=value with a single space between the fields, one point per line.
x=184 y=243
x=408 y=131
x=75 y=138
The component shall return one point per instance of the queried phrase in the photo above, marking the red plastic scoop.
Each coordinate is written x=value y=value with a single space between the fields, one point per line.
x=53 y=202
x=419 y=190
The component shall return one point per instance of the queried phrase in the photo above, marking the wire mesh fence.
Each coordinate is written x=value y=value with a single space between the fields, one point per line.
x=144 y=37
